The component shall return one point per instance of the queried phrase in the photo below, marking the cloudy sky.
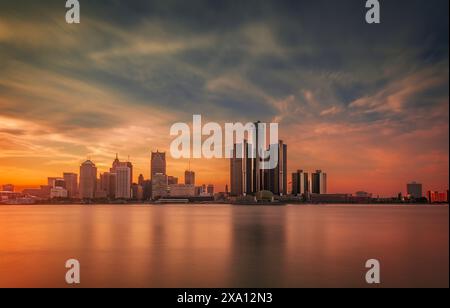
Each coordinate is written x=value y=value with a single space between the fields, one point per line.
x=369 y=104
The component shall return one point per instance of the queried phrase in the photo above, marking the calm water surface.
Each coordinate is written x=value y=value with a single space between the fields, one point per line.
x=224 y=246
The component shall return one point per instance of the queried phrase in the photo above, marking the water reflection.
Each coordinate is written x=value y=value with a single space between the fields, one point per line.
x=259 y=247
x=223 y=246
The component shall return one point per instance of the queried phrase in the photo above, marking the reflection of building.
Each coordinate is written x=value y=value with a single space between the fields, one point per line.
x=300 y=183
x=181 y=190
x=88 y=180
x=158 y=163
x=319 y=182
x=437 y=197
x=71 y=181
x=159 y=185
x=414 y=190
x=189 y=177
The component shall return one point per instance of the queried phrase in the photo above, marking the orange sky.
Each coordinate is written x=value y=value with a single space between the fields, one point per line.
x=371 y=110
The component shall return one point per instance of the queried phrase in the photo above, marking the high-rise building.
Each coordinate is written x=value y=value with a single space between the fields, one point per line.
x=172 y=180
x=189 y=177
x=141 y=179
x=275 y=180
x=300 y=183
x=158 y=163
x=71 y=181
x=8 y=188
x=414 y=190
x=118 y=163
x=123 y=184
x=56 y=182
x=88 y=180
x=123 y=173
x=147 y=189
x=210 y=189
x=108 y=184
x=241 y=171
x=159 y=186
x=319 y=182
x=247 y=176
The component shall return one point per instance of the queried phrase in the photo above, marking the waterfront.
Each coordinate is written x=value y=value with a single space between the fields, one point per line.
x=224 y=246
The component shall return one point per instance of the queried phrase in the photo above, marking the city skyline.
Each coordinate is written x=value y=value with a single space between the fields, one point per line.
x=300 y=182
x=371 y=109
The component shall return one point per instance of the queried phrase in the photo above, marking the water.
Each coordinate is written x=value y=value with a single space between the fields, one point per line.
x=224 y=246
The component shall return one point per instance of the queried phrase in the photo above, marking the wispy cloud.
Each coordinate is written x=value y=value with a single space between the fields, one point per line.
x=352 y=99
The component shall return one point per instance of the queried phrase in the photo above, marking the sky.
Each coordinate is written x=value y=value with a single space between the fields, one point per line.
x=368 y=104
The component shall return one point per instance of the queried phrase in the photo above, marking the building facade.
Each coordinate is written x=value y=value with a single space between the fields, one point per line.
x=414 y=190
x=319 y=182
x=300 y=183
x=189 y=177
x=88 y=180
x=71 y=181
x=158 y=163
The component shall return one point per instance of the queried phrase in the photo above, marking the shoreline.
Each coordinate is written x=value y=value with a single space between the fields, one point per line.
x=427 y=205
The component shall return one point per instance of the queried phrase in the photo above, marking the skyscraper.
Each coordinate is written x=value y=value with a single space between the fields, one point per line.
x=159 y=186
x=123 y=186
x=210 y=189
x=189 y=177
x=275 y=180
x=300 y=183
x=118 y=163
x=141 y=179
x=238 y=172
x=108 y=184
x=414 y=190
x=158 y=163
x=71 y=180
x=88 y=180
x=319 y=182
x=247 y=177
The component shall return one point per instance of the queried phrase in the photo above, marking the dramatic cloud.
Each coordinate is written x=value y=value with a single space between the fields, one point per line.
x=366 y=103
